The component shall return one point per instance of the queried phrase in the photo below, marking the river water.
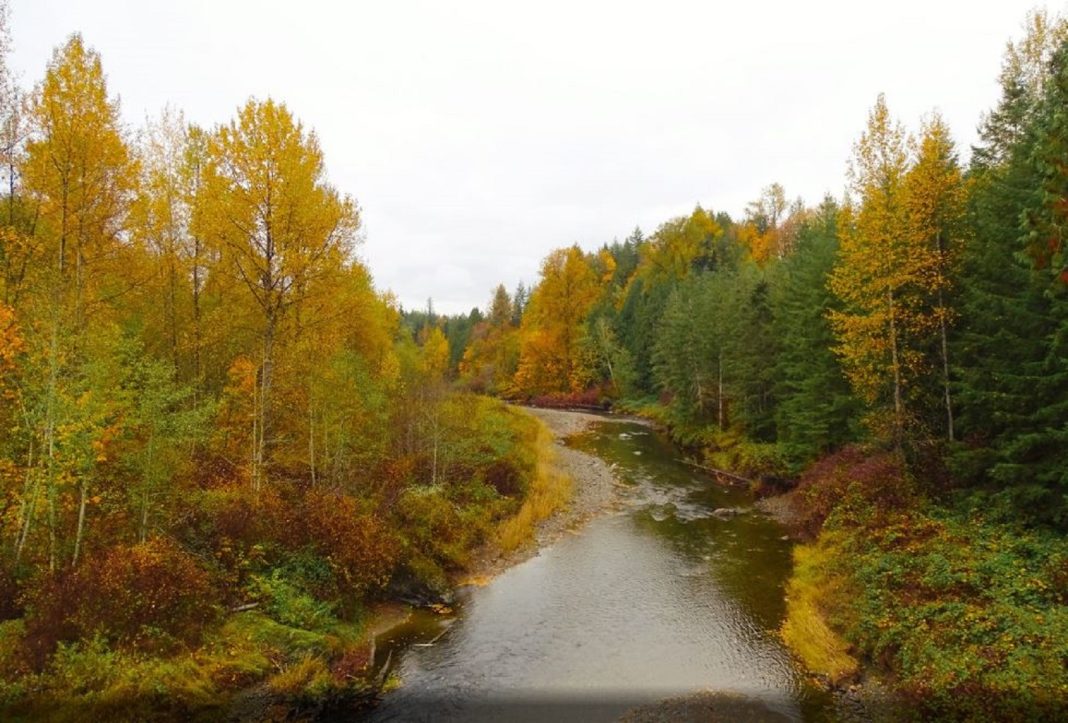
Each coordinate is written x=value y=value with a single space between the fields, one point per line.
x=655 y=599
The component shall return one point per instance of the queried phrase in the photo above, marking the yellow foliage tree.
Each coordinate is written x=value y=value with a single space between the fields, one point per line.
x=935 y=202
x=552 y=327
x=78 y=170
x=882 y=274
x=280 y=227
x=677 y=245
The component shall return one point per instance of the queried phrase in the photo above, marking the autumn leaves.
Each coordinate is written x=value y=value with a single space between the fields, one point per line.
x=899 y=235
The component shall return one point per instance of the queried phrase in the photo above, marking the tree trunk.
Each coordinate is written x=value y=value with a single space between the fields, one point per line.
x=33 y=486
x=196 y=320
x=945 y=369
x=266 y=369
x=172 y=311
x=895 y=364
x=50 y=439
x=146 y=492
x=80 y=533
x=311 y=439
x=27 y=522
x=24 y=502
x=719 y=390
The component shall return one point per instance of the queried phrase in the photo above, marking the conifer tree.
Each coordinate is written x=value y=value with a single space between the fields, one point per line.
x=1007 y=352
x=816 y=408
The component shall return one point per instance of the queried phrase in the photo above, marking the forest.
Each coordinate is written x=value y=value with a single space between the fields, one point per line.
x=222 y=445
x=207 y=408
x=897 y=357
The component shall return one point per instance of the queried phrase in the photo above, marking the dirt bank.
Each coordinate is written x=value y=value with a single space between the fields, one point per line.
x=784 y=509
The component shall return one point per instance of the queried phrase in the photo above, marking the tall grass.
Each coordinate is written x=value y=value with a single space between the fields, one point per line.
x=811 y=593
x=549 y=491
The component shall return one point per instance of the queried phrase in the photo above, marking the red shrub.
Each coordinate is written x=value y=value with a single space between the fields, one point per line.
x=146 y=595
x=236 y=530
x=870 y=481
x=361 y=549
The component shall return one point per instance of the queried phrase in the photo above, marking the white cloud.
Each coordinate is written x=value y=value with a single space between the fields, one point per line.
x=477 y=136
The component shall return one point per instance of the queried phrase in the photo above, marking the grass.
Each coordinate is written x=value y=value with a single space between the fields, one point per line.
x=549 y=491
x=307 y=679
x=810 y=594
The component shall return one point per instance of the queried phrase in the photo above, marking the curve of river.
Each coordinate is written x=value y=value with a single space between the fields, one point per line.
x=657 y=598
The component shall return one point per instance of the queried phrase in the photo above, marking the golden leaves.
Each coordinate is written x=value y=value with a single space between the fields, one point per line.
x=895 y=250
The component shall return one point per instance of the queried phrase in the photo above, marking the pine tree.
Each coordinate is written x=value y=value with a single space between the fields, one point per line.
x=1009 y=348
x=816 y=409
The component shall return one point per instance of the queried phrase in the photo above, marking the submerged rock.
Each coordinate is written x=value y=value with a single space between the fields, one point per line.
x=728 y=513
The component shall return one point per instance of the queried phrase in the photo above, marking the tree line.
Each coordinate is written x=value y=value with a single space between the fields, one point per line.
x=206 y=405
x=924 y=309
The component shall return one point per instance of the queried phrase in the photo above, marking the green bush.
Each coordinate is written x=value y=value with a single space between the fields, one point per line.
x=970 y=616
x=287 y=603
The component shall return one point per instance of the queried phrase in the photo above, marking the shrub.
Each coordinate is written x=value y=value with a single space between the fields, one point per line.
x=965 y=612
x=13 y=656
x=311 y=573
x=287 y=603
x=151 y=594
x=854 y=481
x=360 y=549
x=89 y=680
x=9 y=594
x=968 y=616
x=433 y=526
x=505 y=477
x=235 y=534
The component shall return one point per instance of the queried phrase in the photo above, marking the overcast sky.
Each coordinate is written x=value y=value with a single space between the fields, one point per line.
x=477 y=136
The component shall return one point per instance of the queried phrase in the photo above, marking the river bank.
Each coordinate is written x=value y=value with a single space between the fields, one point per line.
x=591 y=488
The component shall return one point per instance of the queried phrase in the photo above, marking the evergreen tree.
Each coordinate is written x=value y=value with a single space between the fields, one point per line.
x=816 y=409
x=1009 y=348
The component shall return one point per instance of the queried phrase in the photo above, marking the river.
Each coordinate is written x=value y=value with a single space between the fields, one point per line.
x=656 y=598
